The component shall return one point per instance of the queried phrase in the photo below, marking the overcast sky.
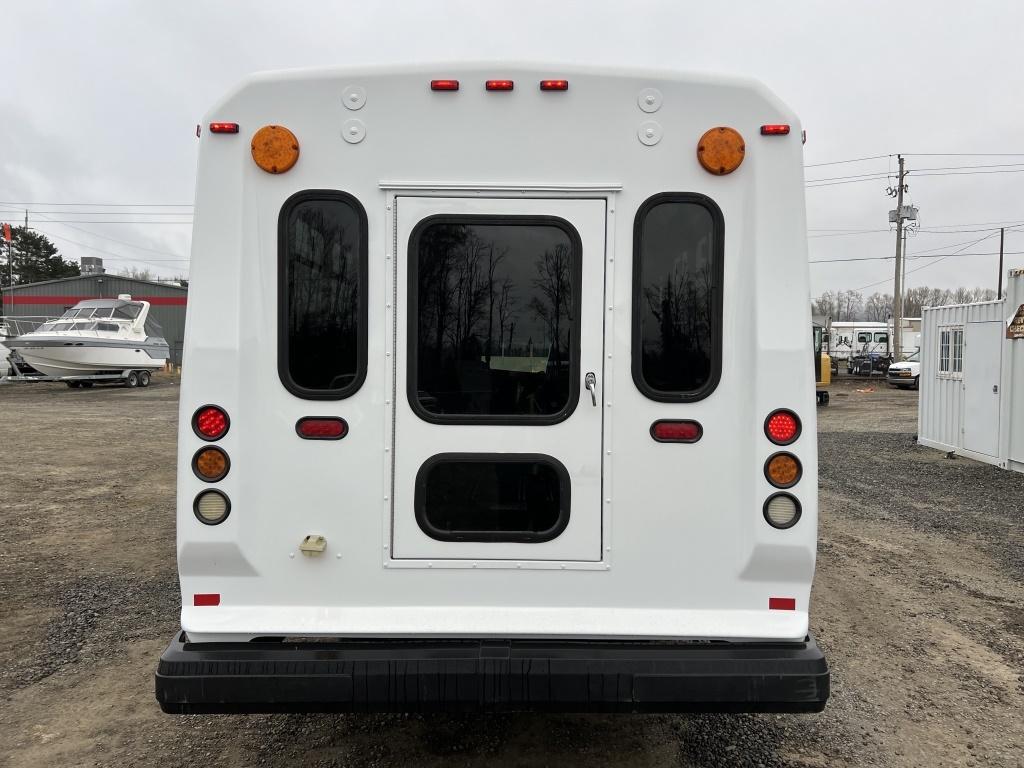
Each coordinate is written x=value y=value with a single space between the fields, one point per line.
x=101 y=99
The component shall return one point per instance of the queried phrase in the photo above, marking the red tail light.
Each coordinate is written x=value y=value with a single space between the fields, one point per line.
x=499 y=85
x=782 y=427
x=210 y=422
x=223 y=127
x=321 y=428
x=554 y=85
x=444 y=85
x=676 y=431
x=774 y=130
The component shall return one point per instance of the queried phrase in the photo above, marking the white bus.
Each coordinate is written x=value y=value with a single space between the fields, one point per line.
x=471 y=417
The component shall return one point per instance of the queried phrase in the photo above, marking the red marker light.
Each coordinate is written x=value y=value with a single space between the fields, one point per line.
x=774 y=130
x=223 y=127
x=499 y=85
x=210 y=423
x=782 y=427
x=676 y=431
x=325 y=428
x=206 y=599
x=781 y=603
x=554 y=85
x=444 y=85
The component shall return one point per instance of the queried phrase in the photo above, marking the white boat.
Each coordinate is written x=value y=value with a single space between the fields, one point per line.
x=10 y=328
x=95 y=337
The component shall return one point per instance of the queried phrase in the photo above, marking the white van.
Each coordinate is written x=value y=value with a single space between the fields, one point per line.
x=472 y=414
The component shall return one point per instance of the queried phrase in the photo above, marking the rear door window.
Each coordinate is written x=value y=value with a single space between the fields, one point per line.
x=322 y=261
x=677 y=297
x=494 y=319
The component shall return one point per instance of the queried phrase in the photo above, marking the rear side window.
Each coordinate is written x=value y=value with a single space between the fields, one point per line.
x=677 y=297
x=322 y=260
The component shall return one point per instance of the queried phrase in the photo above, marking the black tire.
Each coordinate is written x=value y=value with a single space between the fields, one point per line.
x=824 y=398
x=73 y=384
x=86 y=384
x=132 y=380
x=144 y=378
x=917 y=383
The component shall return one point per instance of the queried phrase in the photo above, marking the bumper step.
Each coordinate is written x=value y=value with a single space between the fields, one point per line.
x=488 y=675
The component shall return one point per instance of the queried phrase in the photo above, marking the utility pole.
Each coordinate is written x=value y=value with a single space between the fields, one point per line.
x=897 y=299
x=999 y=291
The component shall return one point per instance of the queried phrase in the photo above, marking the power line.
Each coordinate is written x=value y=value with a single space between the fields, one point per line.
x=912 y=258
x=106 y=205
x=119 y=256
x=852 y=160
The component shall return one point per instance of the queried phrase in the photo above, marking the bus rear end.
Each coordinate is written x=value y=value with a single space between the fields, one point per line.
x=496 y=396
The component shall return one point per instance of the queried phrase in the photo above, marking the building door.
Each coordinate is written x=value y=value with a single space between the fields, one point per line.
x=498 y=379
x=983 y=344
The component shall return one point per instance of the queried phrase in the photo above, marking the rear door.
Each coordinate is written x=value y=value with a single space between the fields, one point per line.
x=982 y=348
x=498 y=379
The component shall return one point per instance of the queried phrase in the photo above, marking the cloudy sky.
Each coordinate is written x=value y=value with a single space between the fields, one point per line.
x=101 y=99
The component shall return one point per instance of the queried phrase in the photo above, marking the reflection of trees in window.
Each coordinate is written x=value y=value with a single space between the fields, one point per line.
x=323 y=294
x=679 y=297
x=493 y=318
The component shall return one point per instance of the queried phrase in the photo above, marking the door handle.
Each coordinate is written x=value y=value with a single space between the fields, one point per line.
x=590 y=382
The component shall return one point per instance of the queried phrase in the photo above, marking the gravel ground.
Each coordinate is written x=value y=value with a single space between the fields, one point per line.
x=918 y=604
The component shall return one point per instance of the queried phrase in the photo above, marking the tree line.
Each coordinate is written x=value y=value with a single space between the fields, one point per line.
x=853 y=305
x=35 y=258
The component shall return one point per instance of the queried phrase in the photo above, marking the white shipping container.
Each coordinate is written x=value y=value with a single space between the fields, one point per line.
x=972 y=380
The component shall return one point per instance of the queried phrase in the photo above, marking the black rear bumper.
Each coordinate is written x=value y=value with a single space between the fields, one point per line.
x=487 y=675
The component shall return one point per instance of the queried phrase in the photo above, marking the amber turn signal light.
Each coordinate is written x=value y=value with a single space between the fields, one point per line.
x=275 y=149
x=210 y=464
x=721 y=150
x=783 y=470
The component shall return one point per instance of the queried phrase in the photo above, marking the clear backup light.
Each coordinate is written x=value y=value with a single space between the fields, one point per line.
x=782 y=510
x=211 y=507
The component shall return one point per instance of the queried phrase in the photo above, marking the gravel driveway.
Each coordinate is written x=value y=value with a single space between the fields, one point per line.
x=918 y=603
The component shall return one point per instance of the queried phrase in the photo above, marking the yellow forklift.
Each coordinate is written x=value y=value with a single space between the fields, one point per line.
x=822 y=359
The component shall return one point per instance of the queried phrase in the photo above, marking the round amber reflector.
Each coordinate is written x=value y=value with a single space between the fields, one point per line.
x=783 y=470
x=210 y=464
x=720 y=150
x=211 y=507
x=275 y=149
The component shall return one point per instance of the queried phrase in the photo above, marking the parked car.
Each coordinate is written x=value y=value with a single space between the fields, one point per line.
x=907 y=374
x=868 y=364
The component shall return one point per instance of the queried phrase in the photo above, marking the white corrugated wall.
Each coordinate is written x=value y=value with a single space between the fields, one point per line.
x=941 y=404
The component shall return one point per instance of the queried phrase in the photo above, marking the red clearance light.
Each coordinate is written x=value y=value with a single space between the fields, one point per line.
x=210 y=423
x=499 y=85
x=676 y=431
x=782 y=427
x=321 y=428
x=774 y=130
x=554 y=85
x=444 y=85
x=206 y=599
x=781 y=603
x=223 y=127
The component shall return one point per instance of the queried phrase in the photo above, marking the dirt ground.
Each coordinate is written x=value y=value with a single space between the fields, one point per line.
x=918 y=603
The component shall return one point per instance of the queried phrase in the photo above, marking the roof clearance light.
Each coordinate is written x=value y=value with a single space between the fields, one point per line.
x=210 y=423
x=321 y=428
x=781 y=510
x=721 y=150
x=444 y=85
x=211 y=507
x=499 y=85
x=676 y=431
x=223 y=127
x=782 y=427
x=210 y=464
x=783 y=470
x=275 y=149
x=774 y=130
x=554 y=85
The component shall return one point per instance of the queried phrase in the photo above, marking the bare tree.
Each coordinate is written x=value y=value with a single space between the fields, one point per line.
x=877 y=307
